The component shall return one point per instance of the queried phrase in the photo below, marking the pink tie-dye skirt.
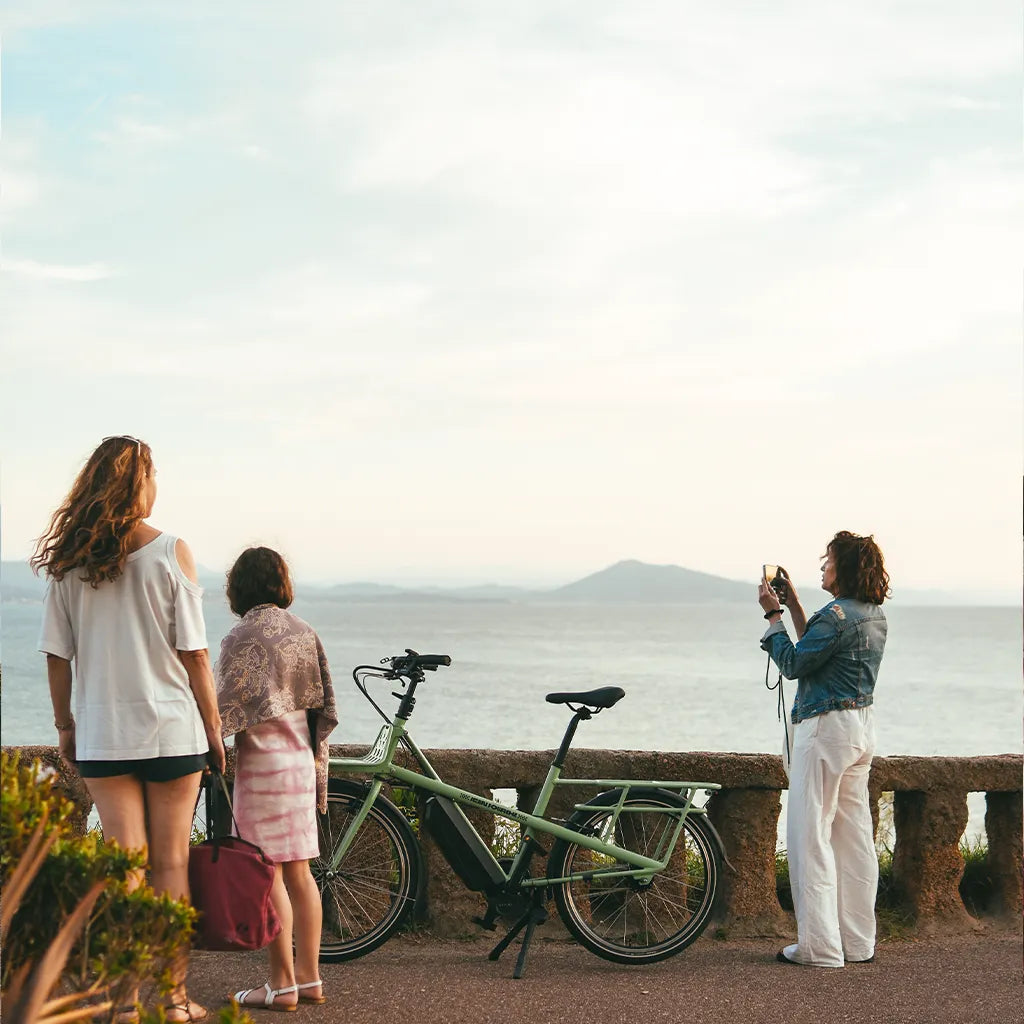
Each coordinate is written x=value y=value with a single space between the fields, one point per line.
x=275 y=788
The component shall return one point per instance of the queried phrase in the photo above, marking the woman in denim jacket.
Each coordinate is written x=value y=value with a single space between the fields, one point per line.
x=833 y=867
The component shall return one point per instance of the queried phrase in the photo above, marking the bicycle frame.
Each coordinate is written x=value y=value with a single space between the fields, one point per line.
x=379 y=764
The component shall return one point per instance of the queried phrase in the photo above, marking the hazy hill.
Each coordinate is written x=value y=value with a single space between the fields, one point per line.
x=358 y=591
x=483 y=592
x=638 y=581
x=629 y=581
x=388 y=592
x=19 y=583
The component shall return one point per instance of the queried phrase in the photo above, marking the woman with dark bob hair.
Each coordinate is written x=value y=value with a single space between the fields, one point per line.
x=124 y=604
x=276 y=698
x=833 y=867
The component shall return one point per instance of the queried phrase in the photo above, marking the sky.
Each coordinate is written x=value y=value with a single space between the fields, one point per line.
x=488 y=292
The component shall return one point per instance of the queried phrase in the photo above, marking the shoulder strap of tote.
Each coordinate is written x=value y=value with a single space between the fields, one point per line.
x=227 y=796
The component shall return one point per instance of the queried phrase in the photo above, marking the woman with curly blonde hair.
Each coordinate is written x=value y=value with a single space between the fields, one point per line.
x=123 y=603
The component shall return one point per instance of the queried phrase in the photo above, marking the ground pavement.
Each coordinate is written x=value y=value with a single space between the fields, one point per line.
x=973 y=979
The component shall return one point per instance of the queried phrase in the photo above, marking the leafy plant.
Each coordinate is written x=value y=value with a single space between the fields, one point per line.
x=976 y=884
x=70 y=909
x=404 y=798
x=25 y=1000
x=885 y=832
x=782 y=886
x=507 y=838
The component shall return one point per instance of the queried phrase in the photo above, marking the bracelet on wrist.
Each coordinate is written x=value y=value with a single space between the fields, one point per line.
x=64 y=726
x=774 y=611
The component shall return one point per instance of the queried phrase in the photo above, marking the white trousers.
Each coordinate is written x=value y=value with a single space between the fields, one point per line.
x=833 y=867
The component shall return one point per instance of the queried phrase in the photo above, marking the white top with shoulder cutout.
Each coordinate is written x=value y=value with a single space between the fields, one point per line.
x=131 y=693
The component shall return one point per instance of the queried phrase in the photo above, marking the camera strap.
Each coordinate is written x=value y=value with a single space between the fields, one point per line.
x=780 y=707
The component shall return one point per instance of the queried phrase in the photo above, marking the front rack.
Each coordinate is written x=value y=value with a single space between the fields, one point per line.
x=376 y=756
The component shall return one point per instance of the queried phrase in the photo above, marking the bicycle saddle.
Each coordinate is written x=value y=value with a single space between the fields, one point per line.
x=604 y=697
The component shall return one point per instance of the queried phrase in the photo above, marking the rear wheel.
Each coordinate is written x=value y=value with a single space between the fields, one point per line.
x=372 y=890
x=630 y=920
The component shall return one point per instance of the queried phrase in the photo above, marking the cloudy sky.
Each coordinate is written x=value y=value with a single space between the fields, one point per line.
x=479 y=291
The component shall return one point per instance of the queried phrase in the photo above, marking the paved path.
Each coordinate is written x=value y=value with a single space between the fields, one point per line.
x=962 y=980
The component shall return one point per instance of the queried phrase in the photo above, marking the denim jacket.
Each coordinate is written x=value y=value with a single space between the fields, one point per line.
x=835 y=661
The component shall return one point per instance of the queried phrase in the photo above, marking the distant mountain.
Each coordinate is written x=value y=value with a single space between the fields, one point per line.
x=637 y=581
x=483 y=592
x=19 y=583
x=387 y=592
x=210 y=580
x=953 y=598
x=629 y=581
x=358 y=590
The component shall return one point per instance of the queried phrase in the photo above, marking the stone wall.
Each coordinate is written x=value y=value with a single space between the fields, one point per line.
x=930 y=814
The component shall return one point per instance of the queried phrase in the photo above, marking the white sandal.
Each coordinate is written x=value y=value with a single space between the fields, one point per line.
x=312 y=999
x=268 y=1003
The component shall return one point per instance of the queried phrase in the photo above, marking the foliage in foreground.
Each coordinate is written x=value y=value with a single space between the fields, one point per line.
x=69 y=908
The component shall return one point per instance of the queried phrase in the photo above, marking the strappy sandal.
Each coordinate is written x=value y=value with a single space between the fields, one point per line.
x=312 y=999
x=185 y=1008
x=270 y=995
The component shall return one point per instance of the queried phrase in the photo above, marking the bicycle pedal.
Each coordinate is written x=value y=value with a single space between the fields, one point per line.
x=485 y=923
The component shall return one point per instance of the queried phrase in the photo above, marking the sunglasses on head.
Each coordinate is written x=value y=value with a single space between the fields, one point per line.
x=128 y=439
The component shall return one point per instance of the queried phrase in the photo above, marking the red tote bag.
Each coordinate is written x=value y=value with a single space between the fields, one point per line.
x=231 y=881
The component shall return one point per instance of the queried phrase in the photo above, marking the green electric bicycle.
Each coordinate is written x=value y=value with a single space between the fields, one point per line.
x=633 y=871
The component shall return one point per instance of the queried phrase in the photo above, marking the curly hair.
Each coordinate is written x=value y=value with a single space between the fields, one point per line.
x=259 y=576
x=106 y=502
x=860 y=568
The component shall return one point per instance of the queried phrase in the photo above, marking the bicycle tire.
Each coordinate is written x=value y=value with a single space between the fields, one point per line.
x=374 y=888
x=621 y=919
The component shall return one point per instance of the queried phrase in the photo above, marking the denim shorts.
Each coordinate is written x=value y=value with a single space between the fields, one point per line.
x=148 y=769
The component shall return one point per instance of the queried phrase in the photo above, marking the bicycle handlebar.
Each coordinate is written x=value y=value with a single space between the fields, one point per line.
x=413 y=662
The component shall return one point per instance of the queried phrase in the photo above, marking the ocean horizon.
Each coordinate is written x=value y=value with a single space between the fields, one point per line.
x=694 y=675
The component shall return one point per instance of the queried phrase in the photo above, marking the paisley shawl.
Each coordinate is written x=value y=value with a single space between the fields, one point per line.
x=270 y=664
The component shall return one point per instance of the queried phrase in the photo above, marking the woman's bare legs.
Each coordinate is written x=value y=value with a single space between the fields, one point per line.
x=308 y=918
x=297 y=902
x=170 y=807
x=282 y=963
x=120 y=802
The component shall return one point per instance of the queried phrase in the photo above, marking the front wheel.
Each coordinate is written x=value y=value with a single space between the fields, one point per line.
x=368 y=895
x=629 y=920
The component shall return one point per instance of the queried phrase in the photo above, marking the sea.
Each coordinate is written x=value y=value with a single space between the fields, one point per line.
x=694 y=675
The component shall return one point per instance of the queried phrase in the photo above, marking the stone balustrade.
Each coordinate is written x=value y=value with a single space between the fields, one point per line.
x=930 y=815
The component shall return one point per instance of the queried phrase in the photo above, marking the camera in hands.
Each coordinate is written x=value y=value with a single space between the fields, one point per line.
x=776 y=577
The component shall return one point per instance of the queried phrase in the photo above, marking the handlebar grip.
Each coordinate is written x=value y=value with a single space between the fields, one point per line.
x=433 y=660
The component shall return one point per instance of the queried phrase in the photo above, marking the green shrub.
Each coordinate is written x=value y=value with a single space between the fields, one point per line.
x=404 y=798
x=977 y=884
x=130 y=936
x=507 y=838
x=27 y=794
x=782 y=887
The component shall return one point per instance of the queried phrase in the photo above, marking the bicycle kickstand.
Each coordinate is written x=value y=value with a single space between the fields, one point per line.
x=534 y=916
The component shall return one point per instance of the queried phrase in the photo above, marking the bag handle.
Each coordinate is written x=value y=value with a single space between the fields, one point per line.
x=227 y=796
